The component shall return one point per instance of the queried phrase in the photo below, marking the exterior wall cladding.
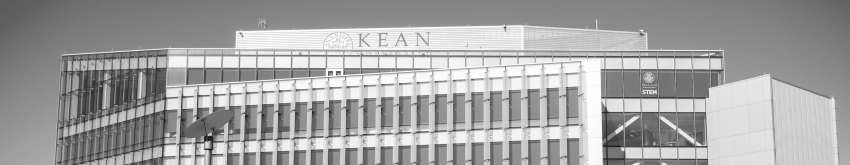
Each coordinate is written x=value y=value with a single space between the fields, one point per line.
x=419 y=106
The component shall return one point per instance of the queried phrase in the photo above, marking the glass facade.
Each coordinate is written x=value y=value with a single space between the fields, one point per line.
x=114 y=105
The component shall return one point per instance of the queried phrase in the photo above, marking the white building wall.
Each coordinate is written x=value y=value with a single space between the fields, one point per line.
x=762 y=120
x=804 y=126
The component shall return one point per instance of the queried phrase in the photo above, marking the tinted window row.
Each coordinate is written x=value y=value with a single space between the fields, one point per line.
x=308 y=119
x=440 y=153
x=180 y=76
x=127 y=136
x=655 y=129
x=658 y=83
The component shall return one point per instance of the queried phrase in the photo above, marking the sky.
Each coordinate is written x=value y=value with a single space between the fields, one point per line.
x=803 y=42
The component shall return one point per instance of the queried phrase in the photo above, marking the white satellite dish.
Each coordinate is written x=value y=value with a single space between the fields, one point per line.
x=205 y=126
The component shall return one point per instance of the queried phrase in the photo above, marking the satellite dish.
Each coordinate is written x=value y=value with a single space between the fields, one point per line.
x=207 y=123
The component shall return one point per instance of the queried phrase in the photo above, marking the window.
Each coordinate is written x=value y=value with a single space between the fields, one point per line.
x=554 y=149
x=333 y=72
x=316 y=157
x=334 y=157
x=283 y=119
x=318 y=115
x=387 y=112
x=572 y=151
x=552 y=104
x=495 y=106
x=268 y=119
x=176 y=76
x=196 y=76
x=236 y=123
x=368 y=155
x=302 y=114
x=250 y=159
x=534 y=152
x=266 y=74
x=477 y=107
x=283 y=158
x=441 y=108
x=300 y=157
x=496 y=153
x=229 y=75
x=404 y=156
x=351 y=113
x=247 y=74
x=440 y=156
x=477 y=153
x=300 y=73
x=404 y=111
x=335 y=114
x=266 y=158
x=613 y=81
x=351 y=156
x=533 y=104
x=572 y=103
x=386 y=156
x=251 y=118
x=422 y=110
x=459 y=108
x=369 y=118
x=684 y=84
x=515 y=154
x=280 y=73
x=632 y=84
x=459 y=154
x=422 y=153
x=515 y=107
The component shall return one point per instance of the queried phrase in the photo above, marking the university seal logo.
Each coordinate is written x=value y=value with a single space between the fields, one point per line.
x=338 y=40
x=648 y=77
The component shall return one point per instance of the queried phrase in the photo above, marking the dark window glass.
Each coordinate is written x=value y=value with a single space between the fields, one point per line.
x=477 y=153
x=369 y=156
x=632 y=84
x=386 y=156
x=533 y=104
x=369 y=118
x=265 y=74
x=552 y=104
x=299 y=73
x=349 y=71
x=302 y=114
x=351 y=156
x=687 y=122
x=684 y=84
x=613 y=122
x=422 y=110
x=496 y=153
x=268 y=118
x=351 y=111
x=495 y=106
x=186 y=118
x=335 y=114
x=459 y=107
x=251 y=117
x=318 y=115
x=266 y=158
x=285 y=110
x=370 y=70
x=515 y=154
x=236 y=123
x=283 y=158
x=613 y=84
x=701 y=84
x=404 y=155
x=440 y=156
x=334 y=157
x=300 y=157
x=533 y=152
x=233 y=159
x=572 y=103
x=171 y=123
x=176 y=76
x=316 y=157
x=282 y=73
x=387 y=112
x=422 y=152
x=196 y=76
x=669 y=136
x=247 y=74
x=572 y=151
x=515 y=102
x=667 y=84
x=229 y=75
x=477 y=107
x=459 y=154
x=554 y=151
x=633 y=132
x=651 y=129
x=404 y=111
x=699 y=125
x=314 y=72
x=441 y=106
x=250 y=159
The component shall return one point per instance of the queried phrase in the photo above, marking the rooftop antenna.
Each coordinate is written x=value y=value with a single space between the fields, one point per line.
x=262 y=23
x=205 y=127
x=596 y=23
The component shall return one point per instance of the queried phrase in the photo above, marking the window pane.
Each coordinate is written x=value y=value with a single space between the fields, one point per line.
x=302 y=114
x=266 y=158
x=613 y=84
x=229 y=75
x=572 y=151
x=247 y=74
x=404 y=111
x=299 y=73
x=350 y=156
x=667 y=84
x=554 y=151
x=196 y=76
x=268 y=118
x=300 y=157
x=404 y=155
x=533 y=152
x=176 y=76
x=684 y=84
x=495 y=106
x=282 y=73
x=318 y=115
x=283 y=120
x=515 y=156
x=533 y=104
x=351 y=117
x=387 y=112
x=477 y=153
x=370 y=116
x=477 y=107
x=515 y=105
x=651 y=129
x=236 y=123
x=369 y=156
x=422 y=110
x=441 y=154
x=422 y=153
x=701 y=84
x=213 y=76
x=459 y=108
x=631 y=84
x=266 y=74
x=251 y=121
x=459 y=154
x=613 y=122
x=386 y=156
x=496 y=153
x=316 y=157
x=335 y=114
x=250 y=159
x=633 y=132
x=572 y=103
x=441 y=109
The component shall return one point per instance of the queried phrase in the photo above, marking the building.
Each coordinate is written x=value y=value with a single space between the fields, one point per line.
x=765 y=120
x=294 y=94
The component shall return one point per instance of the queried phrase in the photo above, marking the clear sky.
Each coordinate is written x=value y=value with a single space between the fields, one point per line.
x=804 y=42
